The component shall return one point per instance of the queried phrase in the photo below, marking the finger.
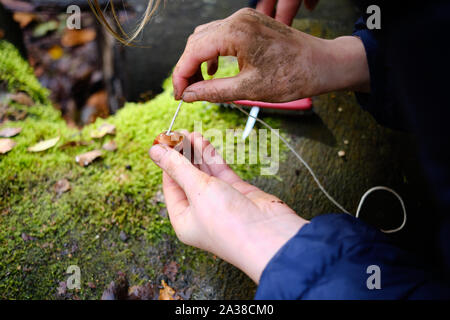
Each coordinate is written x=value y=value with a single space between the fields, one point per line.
x=176 y=200
x=211 y=160
x=213 y=163
x=189 y=178
x=195 y=154
x=177 y=207
x=287 y=10
x=219 y=90
x=200 y=48
x=267 y=7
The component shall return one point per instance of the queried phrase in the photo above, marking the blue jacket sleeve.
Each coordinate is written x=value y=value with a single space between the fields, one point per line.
x=381 y=102
x=329 y=259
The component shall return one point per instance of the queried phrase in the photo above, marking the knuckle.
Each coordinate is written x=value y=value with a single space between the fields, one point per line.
x=246 y=11
x=245 y=15
x=190 y=38
x=197 y=29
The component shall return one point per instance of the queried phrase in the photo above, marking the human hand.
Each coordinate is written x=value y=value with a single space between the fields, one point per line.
x=277 y=63
x=285 y=9
x=212 y=208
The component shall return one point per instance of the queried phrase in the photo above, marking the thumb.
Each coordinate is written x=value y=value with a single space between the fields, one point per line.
x=217 y=90
x=180 y=169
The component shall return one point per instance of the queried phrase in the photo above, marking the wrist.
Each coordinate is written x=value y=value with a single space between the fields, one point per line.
x=259 y=243
x=345 y=65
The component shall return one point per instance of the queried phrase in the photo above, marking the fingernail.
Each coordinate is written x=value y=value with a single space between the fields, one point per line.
x=157 y=152
x=188 y=96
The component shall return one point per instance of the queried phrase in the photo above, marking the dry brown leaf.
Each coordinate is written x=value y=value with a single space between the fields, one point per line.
x=22 y=98
x=61 y=186
x=166 y=293
x=44 y=145
x=10 y=132
x=6 y=145
x=110 y=146
x=103 y=130
x=73 y=38
x=86 y=159
x=23 y=18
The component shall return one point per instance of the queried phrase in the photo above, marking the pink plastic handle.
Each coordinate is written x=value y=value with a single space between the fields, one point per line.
x=302 y=104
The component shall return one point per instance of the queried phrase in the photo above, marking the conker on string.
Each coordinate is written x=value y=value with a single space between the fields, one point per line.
x=172 y=140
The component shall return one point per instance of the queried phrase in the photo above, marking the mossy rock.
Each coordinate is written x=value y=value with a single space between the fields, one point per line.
x=117 y=193
x=43 y=233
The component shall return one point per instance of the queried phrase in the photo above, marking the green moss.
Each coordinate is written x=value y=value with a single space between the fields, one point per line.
x=18 y=74
x=116 y=193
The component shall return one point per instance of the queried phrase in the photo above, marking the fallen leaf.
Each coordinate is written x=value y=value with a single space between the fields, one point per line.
x=171 y=270
x=9 y=132
x=23 y=18
x=61 y=186
x=22 y=98
x=73 y=38
x=6 y=145
x=86 y=159
x=110 y=146
x=166 y=293
x=103 y=130
x=56 y=52
x=44 y=145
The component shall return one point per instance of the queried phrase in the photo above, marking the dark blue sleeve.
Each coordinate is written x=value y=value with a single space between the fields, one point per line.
x=328 y=259
x=381 y=102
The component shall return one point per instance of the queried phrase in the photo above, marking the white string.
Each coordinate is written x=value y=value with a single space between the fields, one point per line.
x=313 y=175
x=363 y=198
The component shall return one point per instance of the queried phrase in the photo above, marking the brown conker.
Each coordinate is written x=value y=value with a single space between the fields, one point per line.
x=172 y=140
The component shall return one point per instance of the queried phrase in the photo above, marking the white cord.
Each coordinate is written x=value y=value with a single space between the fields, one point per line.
x=395 y=194
x=311 y=172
